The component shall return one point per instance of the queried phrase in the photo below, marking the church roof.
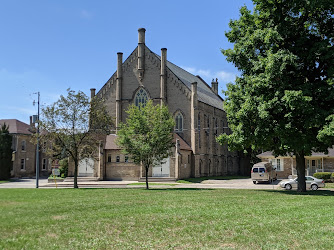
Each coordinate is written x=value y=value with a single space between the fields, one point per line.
x=111 y=142
x=204 y=91
x=16 y=126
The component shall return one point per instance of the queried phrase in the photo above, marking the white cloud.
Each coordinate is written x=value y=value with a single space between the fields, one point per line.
x=223 y=76
x=85 y=14
x=226 y=77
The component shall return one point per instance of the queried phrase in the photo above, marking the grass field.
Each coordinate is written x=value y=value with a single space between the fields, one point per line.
x=165 y=218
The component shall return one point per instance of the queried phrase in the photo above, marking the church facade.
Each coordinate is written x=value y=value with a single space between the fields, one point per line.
x=196 y=107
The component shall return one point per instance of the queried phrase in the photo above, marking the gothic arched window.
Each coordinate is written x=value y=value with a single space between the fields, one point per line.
x=141 y=97
x=178 y=122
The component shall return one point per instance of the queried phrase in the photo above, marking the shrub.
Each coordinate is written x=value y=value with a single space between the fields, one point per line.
x=63 y=169
x=323 y=175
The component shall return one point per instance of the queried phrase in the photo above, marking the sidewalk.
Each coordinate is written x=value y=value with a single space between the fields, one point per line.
x=207 y=184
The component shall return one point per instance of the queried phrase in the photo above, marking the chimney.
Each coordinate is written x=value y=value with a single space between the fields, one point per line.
x=214 y=86
x=163 y=75
x=141 y=52
x=31 y=123
x=92 y=93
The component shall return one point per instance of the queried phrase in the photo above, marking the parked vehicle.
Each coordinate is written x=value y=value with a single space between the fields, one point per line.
x=263 y=171
x=311 y=183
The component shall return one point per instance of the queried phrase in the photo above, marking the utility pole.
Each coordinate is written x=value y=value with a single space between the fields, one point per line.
x=37 y=146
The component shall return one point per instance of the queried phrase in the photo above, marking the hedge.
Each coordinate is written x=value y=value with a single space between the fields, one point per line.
x=324 y=175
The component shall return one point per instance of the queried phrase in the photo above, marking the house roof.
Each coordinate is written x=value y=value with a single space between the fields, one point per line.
x=314 y=154
x=183 y=144
x=16 y=126
x=204 y=92
x=111 y=142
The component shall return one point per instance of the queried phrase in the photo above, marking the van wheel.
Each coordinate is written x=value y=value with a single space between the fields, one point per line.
x=288 y=187
x=254 y=182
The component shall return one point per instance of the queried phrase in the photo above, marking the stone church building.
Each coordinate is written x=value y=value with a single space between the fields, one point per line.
x=196 y=107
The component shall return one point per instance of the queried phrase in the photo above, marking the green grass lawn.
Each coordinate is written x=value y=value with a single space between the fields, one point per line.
x=329 y=185
x=200 y=179
x=165 y=218
x=3 y=181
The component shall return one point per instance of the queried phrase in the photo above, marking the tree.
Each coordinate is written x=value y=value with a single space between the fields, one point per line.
x=283 y=100
x=147 y=134
x=5 y=152
x=72 y=125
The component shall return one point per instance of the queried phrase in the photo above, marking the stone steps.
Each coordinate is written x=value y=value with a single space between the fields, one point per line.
x=157 y=179
x=81 y=179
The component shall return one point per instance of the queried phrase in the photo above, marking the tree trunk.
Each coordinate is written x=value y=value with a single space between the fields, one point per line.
x=146 y=176
x=300 y=160
x=75 y=174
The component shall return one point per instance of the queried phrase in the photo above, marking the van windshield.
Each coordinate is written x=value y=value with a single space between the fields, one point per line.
x=255 y=170
x=262 y=170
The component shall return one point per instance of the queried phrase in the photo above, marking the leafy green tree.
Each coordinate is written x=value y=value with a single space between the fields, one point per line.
x=283 y=100
x=147 y=134
x=5 y=152
x=73 y=125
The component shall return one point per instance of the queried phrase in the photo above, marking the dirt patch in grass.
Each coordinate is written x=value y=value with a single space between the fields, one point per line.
x=59 y=217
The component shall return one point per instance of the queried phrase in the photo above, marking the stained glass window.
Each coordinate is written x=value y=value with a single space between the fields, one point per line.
x=141 y=97
x=179 y=122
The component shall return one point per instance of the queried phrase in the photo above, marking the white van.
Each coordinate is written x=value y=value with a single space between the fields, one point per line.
x=263 y=171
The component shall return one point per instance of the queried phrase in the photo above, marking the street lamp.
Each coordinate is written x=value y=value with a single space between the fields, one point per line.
x=37 y=146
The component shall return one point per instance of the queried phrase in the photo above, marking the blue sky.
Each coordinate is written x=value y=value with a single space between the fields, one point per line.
x=49 y=46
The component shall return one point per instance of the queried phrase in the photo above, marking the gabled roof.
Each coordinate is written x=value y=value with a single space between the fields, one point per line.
x=204 y=91
x=314 y=154
x=16 y=126
x=111 y=142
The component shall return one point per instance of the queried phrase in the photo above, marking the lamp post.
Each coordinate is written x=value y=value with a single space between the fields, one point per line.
x=37 y=146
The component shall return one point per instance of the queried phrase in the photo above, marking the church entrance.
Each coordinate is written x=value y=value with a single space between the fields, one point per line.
x=86 y=167
x=161 y=169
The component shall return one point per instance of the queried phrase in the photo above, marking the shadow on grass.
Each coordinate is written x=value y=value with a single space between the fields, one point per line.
x=309 y=192
x=143 y=188
x=200 y=179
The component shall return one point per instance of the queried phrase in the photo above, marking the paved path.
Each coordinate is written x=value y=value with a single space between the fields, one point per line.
x=231 y=184
x=23 y=183
x=209 y=184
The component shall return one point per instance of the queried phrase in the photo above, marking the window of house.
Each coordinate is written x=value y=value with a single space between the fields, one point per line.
x=126 y=158
x=207 y=124
x=109 y=158
x=44 y=164
x=199 y=129
x=141 y=97
x=216 y=126
x=23 y=145
x=118 y=158
x=188 y=158
x=278 y=164
x=178 y=122
x=23 y=164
